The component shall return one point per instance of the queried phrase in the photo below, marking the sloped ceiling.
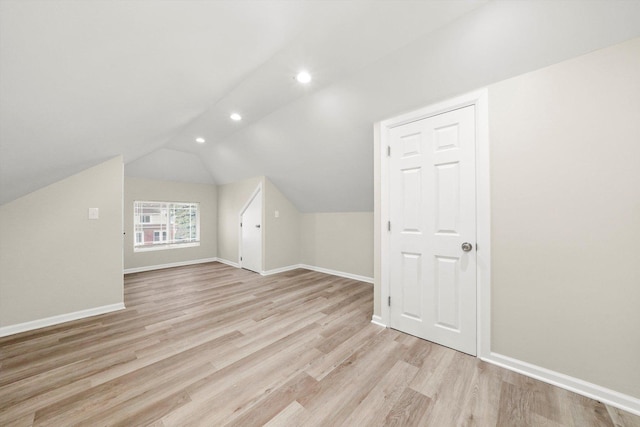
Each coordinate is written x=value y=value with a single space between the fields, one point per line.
x=170 y=165
x=81 y=82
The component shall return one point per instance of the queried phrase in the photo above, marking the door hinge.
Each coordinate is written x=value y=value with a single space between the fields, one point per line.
x=388 y=225
x=388 y=151
x=240 y=224
x=389 y=301
x=240 y=258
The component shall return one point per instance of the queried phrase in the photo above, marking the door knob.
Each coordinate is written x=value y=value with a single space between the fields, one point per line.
x=466 y=246
x=257 y=225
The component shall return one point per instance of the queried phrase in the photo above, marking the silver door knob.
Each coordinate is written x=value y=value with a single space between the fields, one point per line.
x=466 y=246
x=257 y=225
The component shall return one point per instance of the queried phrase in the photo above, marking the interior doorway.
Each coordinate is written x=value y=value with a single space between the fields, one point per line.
x=251 y=233
x=435 y=223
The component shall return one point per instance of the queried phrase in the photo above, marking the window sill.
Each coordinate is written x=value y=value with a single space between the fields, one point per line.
x=161 y=247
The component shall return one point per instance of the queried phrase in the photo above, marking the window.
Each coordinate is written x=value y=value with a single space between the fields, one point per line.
x=165 y=225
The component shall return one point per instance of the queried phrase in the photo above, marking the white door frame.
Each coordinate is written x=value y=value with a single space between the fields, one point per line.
x=483 y=229
x=244 y=208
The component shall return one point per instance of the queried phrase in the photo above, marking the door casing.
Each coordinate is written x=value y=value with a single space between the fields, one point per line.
x=483 y=276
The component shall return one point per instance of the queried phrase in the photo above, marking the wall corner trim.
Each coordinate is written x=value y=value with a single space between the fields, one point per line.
x=280 y=270
x=377 y=320
x=576 y=385
x=62 y=318
x=226 y=261
x=319 y=270
x=338 y=273
x=169 y=265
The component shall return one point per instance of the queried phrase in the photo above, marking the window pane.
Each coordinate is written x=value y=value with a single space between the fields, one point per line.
x=165 y=223
x=184 y=222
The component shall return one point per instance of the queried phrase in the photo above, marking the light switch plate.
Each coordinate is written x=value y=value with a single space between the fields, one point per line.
x=94 y=213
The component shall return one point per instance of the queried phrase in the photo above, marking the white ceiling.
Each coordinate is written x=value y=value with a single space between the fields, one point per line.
x=81 y=82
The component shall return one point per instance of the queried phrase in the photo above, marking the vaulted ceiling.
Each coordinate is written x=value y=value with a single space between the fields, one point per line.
x=83 y=81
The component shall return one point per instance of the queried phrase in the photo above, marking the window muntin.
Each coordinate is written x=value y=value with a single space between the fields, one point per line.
x=165 y=225
x=159 y=236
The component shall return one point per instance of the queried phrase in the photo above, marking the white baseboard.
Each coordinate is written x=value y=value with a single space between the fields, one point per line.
x=264 y=273
x=280 y=270
x=169 y=265
x=377 y=320
x=226 y=261
x=338 y=273
x=55 y=320
x=576 y=385
x=319 y=270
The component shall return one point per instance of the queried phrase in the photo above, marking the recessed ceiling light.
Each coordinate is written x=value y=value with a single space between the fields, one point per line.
x=200 y=140
x=303 y=77
x=236 y=117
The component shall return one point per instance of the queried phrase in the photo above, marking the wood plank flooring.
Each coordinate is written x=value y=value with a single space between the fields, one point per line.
x=213 y=345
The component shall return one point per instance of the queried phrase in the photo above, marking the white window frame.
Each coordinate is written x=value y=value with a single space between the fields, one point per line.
x=163 y=231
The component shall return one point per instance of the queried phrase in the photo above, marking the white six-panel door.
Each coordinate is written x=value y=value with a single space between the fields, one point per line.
x=432 y=197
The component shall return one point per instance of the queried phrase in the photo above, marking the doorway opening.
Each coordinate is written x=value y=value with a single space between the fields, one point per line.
x=422 y=259
x=250 y=242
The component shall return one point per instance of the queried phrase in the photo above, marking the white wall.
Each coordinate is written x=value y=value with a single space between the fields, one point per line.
x=565 y=204
x=143 y=189
x=340 y=241
x=53 y=259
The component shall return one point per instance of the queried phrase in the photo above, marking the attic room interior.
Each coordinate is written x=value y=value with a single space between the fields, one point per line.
x=320 y=213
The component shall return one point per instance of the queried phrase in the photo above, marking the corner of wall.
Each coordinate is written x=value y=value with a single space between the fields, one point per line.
x=282 y=229
x=59 y=261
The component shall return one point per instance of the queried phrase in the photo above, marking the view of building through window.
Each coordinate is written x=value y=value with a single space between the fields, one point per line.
x=165 y=224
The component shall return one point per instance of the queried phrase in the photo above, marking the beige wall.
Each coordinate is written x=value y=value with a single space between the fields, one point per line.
x=282 y=234
x=53 y=259
x=565 y=173
x=338 y=241
x=231 y=199
x=565 y=209
x=170 y=191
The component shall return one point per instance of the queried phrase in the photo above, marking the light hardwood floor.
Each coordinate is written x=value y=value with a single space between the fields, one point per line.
x=213 y=345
